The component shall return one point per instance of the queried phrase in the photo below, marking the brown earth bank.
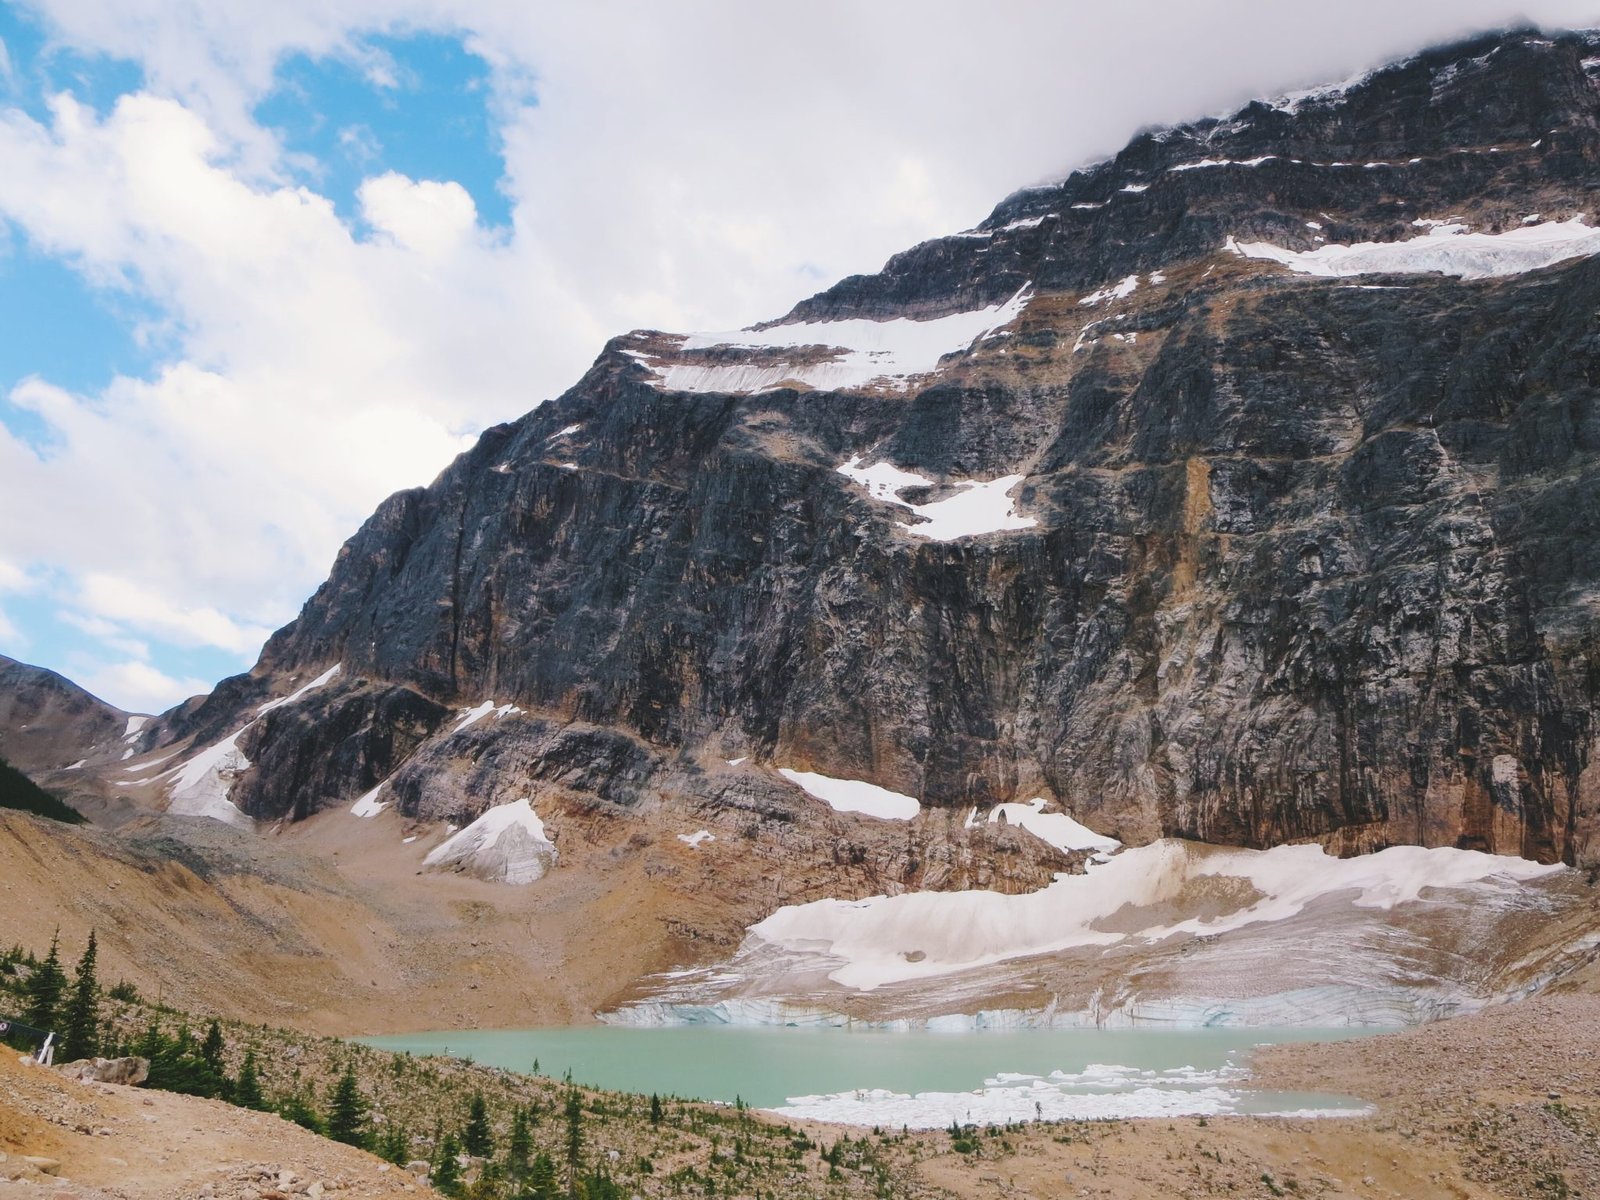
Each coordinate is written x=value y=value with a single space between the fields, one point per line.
x=330 y=924
x=64 y=1140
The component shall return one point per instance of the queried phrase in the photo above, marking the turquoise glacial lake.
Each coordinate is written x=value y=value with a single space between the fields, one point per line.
x=920 y=1079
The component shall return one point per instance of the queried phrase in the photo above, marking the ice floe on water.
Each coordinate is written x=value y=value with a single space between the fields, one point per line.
x=507 y=844
x=854 y=796
x=850 y=353
x=1447 y=248
x=979 y=507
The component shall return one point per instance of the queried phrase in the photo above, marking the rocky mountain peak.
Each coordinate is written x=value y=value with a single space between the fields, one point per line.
x=1239 y=487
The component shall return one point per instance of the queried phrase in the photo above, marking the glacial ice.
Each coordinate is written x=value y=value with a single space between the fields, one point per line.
x=1446 y=249
x=981 y=507
x=507 y=844
x=861 y=352
x=854 y=796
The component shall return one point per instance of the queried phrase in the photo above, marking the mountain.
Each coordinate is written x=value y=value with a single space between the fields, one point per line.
x=1241 y=488
x=47 y=722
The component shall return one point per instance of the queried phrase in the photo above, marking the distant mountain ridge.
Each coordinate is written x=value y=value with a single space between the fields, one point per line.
x=1161 y=494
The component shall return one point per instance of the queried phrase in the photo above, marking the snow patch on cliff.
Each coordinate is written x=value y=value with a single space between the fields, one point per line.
x=858 y=352
x=980 y=507
x=319 y=681
x=854 y=796
x=1058 y=829
x=369 y=805
x=507 y=844
x=1445 y=249
x=202 y=783
x=471 y=716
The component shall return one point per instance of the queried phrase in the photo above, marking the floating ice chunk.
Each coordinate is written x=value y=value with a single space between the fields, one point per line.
x=507 y=844
x=1447 y=250
x=694 y=839
x=981 y=507
x=293 y=696
x=855 y=796
x=1058 y=829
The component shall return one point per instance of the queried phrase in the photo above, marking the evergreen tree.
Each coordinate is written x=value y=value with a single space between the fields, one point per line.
x=299 y=1109
x=655 y=1109
x=476 y=1137
x=211 y=1048
x=574 y=1114
x=347 y=1112
x=395 y=1145
x=247 y=1089
x=446 y=1170
x=542 y=1177
x=42 y=993
x=519 y=1147
x=80 y=1022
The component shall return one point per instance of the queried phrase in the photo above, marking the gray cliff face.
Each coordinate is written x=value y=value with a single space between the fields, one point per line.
x=1312 y=557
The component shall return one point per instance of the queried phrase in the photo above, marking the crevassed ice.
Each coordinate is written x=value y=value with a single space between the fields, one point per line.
x=980 y=507
x=862 y=352
x=948 y=932
x=854 y=795
x=1446 y=249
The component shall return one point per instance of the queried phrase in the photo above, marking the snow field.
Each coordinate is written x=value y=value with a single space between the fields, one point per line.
x=854 y=796
x=862 y=351
x=983 y=507
x=1447 y=248
x=507 y=844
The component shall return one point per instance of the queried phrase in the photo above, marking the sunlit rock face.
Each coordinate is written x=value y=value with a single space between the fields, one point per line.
x=1244 y=488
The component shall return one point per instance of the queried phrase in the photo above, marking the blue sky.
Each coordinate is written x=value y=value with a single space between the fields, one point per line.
x=418 y=105
x=262 y=265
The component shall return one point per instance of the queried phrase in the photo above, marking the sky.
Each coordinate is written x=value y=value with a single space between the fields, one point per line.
x=263 y=264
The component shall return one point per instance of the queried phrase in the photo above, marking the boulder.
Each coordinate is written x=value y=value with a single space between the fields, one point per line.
x=130 y=1072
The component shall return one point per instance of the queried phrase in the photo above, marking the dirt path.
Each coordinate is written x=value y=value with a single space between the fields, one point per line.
x=103 y=1141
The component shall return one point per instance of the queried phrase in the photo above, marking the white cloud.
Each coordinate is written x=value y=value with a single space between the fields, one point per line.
x=125 y=603
x=138 y=687
x=10 y=635
x=434 y=219
x=698 y=165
